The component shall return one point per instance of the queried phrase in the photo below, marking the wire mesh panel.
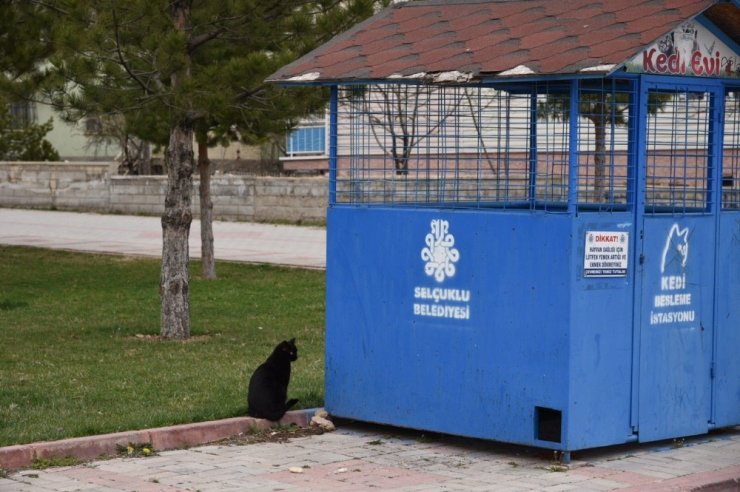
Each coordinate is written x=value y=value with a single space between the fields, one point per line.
x=551 y=145
x=731 y=161
x=456 y=146
x=605 y=166
x=678 y=152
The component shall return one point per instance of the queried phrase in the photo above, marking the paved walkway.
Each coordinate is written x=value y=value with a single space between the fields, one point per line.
x=356 y=457
x=361 y=458
x=138 y=235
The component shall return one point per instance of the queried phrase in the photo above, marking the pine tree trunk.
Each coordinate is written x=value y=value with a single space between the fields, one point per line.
x=208 y=261
x=176 y=220
x=146 y=159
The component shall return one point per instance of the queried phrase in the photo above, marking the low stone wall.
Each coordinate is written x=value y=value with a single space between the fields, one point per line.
x=95 y=186
x=69 y=186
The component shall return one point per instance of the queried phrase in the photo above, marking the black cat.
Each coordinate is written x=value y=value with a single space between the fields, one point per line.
x=268 y=387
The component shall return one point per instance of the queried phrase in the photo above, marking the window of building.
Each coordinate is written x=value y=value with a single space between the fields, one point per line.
x=23 y=113
x=307 y=140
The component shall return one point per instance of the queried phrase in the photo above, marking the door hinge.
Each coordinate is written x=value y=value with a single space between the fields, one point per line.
x=711 y=371
x=642 y=258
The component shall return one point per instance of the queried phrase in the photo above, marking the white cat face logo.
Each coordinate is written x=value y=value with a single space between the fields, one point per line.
x=676 y=246
x=439 y=254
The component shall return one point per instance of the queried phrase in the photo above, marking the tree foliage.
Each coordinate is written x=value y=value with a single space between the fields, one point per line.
x=120 y=57
x=25 y=43
x=177 y=68
x=25 y=143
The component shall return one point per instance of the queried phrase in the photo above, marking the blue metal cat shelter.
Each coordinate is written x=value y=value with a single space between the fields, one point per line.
x=534 y=219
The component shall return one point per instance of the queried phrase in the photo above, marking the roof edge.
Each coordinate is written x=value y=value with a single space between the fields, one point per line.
x=307 y=70
x=277 y=76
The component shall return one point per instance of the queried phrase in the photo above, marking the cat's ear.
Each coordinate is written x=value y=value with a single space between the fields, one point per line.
x=292 y=341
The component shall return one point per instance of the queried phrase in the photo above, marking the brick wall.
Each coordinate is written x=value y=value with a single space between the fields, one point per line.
x=87 y=186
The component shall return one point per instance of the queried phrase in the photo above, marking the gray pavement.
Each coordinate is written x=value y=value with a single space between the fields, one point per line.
x=366 y=458
x=139 y=235
x=357 y=457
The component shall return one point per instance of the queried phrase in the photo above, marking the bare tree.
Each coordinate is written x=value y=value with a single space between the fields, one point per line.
x=110 y=129
x=401 y=116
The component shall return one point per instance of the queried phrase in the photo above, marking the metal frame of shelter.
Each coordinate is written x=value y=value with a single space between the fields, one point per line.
x=551 y=262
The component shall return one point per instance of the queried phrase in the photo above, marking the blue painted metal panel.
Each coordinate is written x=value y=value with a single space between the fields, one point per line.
x=601 y=342
x=727 y=361
x=466 y=321
x=677 y=311
x=469 y=349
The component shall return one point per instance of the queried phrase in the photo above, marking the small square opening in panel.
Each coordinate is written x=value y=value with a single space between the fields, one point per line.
x=549 y=423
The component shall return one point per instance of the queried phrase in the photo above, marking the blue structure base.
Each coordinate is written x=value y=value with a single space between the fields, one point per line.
x=512 y=341
x=726 y=363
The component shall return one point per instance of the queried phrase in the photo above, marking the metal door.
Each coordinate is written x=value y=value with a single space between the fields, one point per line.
x=677 y=258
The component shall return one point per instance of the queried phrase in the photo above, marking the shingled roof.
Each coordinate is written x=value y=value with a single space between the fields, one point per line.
x=475 y=39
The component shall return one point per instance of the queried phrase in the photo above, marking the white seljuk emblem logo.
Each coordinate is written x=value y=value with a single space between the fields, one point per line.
x=440 y=254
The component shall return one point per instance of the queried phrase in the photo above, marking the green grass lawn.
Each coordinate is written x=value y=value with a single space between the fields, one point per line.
x=79 y=352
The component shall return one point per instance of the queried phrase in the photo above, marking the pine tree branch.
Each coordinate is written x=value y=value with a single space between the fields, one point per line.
x=250 y=93
x=198 y=41
x=49 y=6
x=122 y=60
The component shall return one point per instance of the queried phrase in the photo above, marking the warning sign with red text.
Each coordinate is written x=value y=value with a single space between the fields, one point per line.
x=606 y=254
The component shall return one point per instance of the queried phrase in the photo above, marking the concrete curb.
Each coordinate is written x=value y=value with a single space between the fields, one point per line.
x=161 y=438
x=730 y=485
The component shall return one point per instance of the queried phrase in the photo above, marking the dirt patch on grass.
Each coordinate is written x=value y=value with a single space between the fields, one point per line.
x=155 y=338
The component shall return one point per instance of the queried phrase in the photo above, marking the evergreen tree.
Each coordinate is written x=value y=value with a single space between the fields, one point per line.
x=181 y=67
x=26 y=143
x=25 y=43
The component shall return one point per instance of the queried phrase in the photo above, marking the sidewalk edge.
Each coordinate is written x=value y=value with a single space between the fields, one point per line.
x=161 y=438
